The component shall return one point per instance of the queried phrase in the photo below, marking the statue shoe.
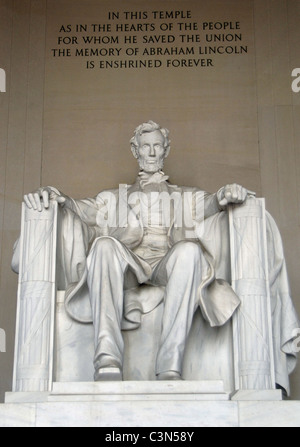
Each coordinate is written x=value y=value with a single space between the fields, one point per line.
x=169 y=375
x=108 y=374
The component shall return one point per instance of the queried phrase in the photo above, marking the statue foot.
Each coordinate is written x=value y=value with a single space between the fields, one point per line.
x=112 y=374
x=169 y=375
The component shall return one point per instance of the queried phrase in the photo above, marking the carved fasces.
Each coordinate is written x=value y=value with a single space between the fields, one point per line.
x=36 y=300
x=252 y=324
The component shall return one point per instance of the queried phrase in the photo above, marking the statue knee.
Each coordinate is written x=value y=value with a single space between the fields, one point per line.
x=188 y=251
x=104 y=256
x=103 y=247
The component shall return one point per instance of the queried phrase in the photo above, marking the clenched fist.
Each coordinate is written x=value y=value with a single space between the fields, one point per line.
x=233 y=194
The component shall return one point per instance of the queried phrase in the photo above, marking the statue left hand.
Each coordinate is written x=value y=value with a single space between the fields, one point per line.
x=233 y=194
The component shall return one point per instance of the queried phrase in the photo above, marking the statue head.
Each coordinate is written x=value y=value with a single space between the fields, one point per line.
x=150 y=146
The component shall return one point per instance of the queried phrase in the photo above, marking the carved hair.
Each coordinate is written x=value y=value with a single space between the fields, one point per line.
x=148 y=128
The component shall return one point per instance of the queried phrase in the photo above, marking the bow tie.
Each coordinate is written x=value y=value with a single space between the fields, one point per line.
x=148 y=179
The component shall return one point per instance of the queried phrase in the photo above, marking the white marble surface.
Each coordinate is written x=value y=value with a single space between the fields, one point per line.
x=26 y=397
x=17 y=415
x=121 y=414
x=126 y=391
x=252 y=323
x=269 y=414
x=159 y=387
x=151 y=414
x=33 y=363
x=140 y=391
x=257 y=395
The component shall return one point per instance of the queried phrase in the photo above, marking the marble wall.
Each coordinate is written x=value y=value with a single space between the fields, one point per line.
x=63 y=125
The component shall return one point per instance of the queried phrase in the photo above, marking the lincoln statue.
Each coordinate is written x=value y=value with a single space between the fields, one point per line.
x=153 y=233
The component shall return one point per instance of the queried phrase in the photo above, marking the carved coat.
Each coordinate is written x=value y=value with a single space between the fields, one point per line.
x=217 y=300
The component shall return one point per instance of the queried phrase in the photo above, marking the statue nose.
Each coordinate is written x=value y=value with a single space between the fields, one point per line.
x=152 y=152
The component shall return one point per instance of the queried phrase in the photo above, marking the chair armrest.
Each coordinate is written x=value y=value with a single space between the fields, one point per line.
x=33 y=363
x=252 y=323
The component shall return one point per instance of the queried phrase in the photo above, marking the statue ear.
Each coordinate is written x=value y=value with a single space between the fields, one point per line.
x=134 y=151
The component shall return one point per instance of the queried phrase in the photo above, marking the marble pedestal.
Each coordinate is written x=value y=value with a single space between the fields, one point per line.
x=143 y=404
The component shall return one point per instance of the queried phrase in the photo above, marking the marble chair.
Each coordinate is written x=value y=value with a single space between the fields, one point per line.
x=52 y=348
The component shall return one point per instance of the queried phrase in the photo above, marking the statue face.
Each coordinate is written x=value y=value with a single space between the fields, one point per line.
x=151 y=151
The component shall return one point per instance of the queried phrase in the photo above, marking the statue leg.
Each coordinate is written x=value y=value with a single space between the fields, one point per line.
x=106 y=271
x=181 y=272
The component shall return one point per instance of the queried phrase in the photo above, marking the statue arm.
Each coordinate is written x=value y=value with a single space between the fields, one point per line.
x=85 y=209
x=211 y=205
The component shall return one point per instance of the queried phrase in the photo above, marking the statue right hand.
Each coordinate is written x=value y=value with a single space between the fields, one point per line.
x=40 y=199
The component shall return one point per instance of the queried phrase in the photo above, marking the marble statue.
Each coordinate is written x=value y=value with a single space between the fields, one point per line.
x=156 y=233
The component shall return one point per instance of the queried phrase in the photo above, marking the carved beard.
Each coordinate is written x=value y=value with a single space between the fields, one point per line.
x=151 y=167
